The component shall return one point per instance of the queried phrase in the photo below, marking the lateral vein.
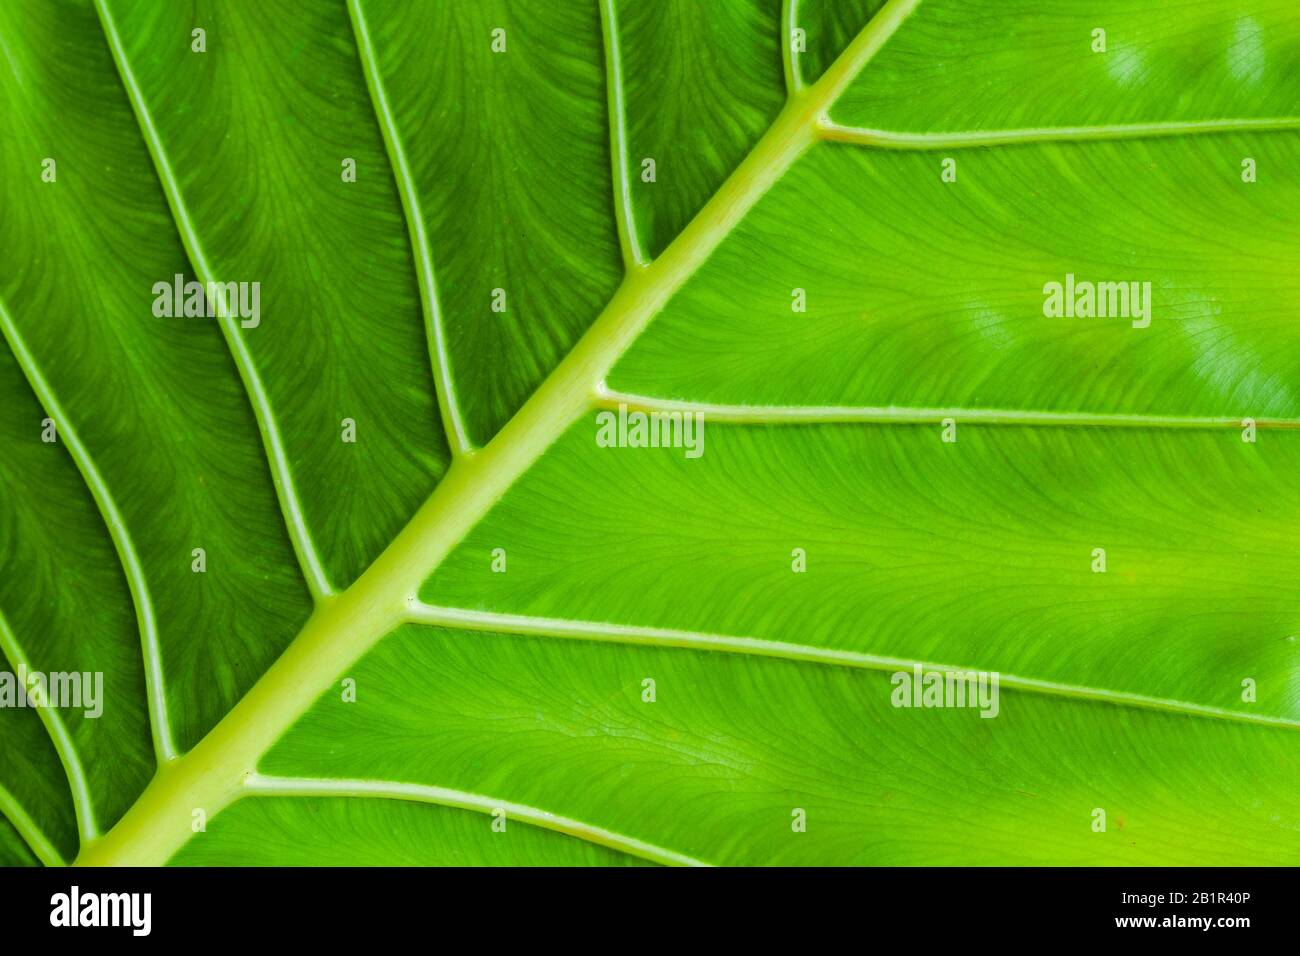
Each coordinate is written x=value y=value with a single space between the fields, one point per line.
x=87 y=829
x=793 y=72
x=159 y=722
x=452 y=423
x=27 y=828
x=900 y=414
x=526 y=625
x=633 y=255
x=464 y=800
x=286 y=490
x=965 y=139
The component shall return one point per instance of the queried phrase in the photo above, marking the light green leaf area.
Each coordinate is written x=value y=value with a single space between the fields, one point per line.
x=733 y=744
x=920 y=550
x=380 y=572
x=338 y=831
x=956 y=320
x=1068 y=64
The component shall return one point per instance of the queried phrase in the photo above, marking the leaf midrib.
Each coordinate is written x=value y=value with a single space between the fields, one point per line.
x=344 y=626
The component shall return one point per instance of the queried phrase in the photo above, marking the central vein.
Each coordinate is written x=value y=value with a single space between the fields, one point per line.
x=345 y=626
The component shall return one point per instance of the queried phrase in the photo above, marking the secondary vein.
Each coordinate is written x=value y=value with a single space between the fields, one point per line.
x=910 y=415
x=27 y=828
x=59 y=737
x=789 y=61
x=286 y=491
x=160 y=724
x=452 y=423
x=464 y=800
x=965 y=139
x=633 y=255
x=526 y=625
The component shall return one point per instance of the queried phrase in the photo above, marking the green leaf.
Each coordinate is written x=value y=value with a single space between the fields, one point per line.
x=488 y=235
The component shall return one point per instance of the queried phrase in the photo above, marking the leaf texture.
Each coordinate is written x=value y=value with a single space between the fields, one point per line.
x=364 y=584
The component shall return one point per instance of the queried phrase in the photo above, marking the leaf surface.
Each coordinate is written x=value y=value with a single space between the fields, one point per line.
x=477 y=636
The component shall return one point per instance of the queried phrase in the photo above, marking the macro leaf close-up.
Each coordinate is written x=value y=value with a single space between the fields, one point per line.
x=620 y=432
